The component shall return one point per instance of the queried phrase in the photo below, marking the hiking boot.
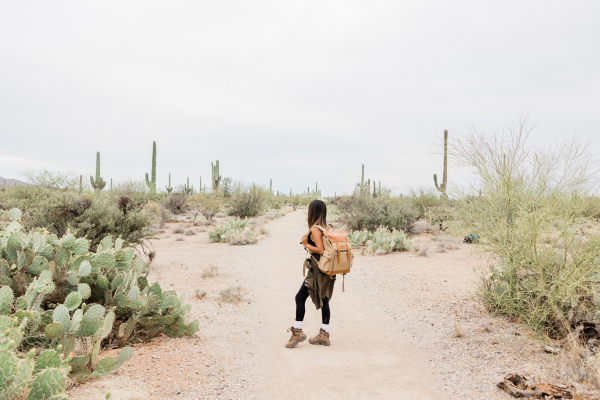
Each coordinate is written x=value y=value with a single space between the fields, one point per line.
x=322 y=338
x=297 y=337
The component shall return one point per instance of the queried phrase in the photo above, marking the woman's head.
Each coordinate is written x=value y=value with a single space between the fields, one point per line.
x=317 y=214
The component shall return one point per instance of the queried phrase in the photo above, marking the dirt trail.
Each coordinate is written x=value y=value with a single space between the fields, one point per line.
x=365 y=360
x=392 y=331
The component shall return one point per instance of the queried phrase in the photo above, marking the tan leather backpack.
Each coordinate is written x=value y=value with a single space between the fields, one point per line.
x=337 y=254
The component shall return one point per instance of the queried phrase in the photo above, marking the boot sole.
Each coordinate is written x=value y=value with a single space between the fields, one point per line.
x=297 y=343
x=319 y=343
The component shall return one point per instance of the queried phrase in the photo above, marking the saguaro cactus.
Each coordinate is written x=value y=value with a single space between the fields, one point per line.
x=188 y=189
x=271 y=187
x=442 y=187
x=362 y=180
x=168 y=187
x=216 y=178
x=99 y=183
x=80 y=183
x=152 y=183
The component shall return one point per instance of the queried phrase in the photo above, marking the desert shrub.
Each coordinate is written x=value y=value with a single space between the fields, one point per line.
x=200 y=293
x=176 y=203
x=276 y=202
x=420 y=247
x=66 y=293
x=57 y=180
x=207 y=203
x=236 y=230
x=423 y=198
x=227 y=187
x=248 y=202
x=189 y=232
x=209 y=272
x=380 y=239
x=445 y=242
x=440 y=215
x=273 y=214
x=529 y=195
x=164 y=216
x=178 y=229
x=364 y=212
x=136 y=190
x=86 y=215
x=233 y=294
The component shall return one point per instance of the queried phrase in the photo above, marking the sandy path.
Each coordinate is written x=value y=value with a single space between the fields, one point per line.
x=365 y=360
x=392 y=331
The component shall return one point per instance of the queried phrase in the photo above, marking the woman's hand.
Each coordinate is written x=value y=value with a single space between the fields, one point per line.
x=305 y=240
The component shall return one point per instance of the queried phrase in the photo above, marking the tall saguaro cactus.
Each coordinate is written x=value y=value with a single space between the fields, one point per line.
x=99 y=183
x=216 y=178
x=188 y=189
x=80 y=183
x=362 y=180
x=442 y=187
x=152 y=183
x=168 y=187
x=271 y=187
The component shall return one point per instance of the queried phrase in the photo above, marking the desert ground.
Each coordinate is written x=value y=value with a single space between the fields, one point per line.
x=406 y=327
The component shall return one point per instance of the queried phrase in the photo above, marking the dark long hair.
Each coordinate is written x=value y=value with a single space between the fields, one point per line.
x=317 y=214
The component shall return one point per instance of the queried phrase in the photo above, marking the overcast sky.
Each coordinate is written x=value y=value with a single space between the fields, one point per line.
x=296 y=91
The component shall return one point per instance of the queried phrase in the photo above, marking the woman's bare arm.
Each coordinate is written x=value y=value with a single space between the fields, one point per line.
x=317 y=236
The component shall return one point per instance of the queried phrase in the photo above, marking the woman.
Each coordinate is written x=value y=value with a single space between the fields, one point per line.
x=317 y=285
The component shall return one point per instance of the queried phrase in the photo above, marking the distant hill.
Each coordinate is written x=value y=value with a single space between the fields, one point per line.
x=11 y=182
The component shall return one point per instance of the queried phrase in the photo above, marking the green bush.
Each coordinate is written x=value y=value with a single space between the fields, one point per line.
x=248 y=202
x=85 y=215
x=358 y=212
x=234 y=232
x=424 y=198
x=531 y=209
x=176 y=203
x=65 y=292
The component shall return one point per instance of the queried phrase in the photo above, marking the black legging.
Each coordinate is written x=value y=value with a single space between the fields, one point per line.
x=301 y=297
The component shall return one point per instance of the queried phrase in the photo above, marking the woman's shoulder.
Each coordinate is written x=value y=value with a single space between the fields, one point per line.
x=316 y=231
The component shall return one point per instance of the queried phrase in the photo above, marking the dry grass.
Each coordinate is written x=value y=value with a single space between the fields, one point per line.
x=189 y=232
x=221 y=215
x=273 y=214
x=200 y=293
x=458 y=329
x=263 y=230
x=242 y=240
x=580 y=364
x=256 y=221
x=204 y=222
x=209 y=272
x=380 y=252
x=178 y=229
x=233 y=294
x=179 y=239
x=420 y=247
x=445 y=242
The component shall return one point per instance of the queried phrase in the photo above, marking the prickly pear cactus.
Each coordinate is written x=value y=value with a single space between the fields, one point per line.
x=380 y=239
x=54 y=292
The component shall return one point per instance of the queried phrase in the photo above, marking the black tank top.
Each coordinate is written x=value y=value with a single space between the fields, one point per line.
x=312 y=243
